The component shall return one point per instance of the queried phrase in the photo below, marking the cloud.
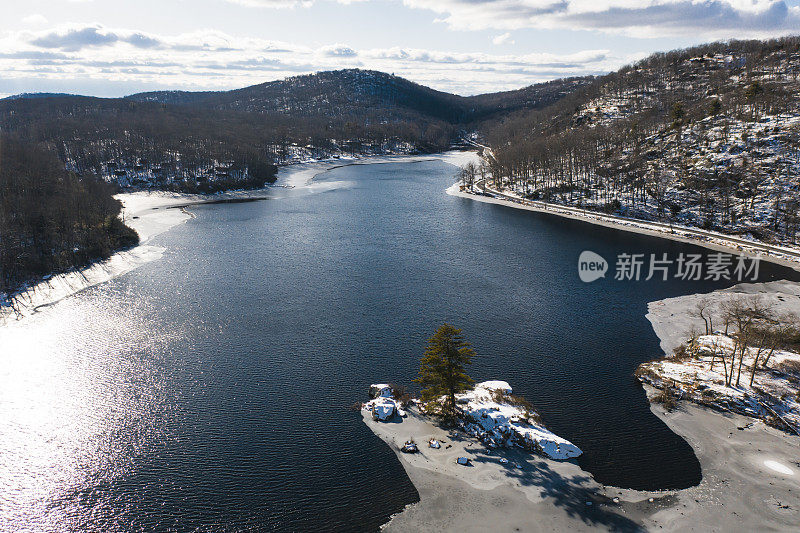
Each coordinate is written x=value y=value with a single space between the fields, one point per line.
x=338 y=50
x=206 y=59
x=505 y=38
x=36 y=19
x=273 y=4
x=285 y=4
x=75 y=39
x=72 y=40
x=652 y=18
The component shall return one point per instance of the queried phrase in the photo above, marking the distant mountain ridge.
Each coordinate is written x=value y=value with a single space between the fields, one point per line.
x=348 y=92
x=23 y=96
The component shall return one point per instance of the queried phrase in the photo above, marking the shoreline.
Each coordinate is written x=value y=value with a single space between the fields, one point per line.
x=739 y=491
x=680 y=233
x=152 y=213
x=740 y=488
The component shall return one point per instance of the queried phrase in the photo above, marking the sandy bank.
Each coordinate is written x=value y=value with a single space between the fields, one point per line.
x=739 y=491
x=717 y=242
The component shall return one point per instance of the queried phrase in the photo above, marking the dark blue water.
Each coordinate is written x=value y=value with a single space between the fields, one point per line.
x=215 y=385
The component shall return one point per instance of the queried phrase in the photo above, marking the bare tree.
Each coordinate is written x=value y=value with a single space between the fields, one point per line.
x=703 y=309
x=744 y=313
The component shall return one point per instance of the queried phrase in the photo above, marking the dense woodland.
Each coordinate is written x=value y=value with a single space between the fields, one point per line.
x=50 y=219
x=708 y=136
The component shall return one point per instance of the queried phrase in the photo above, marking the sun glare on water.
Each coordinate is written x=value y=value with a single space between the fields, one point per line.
x=71 y=401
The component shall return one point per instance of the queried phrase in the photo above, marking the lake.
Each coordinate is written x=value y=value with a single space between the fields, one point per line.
x=212 y=390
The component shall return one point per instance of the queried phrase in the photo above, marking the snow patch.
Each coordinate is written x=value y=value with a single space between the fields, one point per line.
x=498 y=420
x=778 y=467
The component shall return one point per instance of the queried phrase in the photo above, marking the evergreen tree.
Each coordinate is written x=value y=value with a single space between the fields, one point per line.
x=442 y=370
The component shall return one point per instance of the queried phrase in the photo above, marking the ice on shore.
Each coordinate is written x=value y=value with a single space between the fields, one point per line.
x=496 y=418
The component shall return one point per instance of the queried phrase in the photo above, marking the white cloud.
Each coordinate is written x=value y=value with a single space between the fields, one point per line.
x=35 y=19
x=338 y=50
x=213 y=59
x=505 y=38
x=285 y=4
x=650 y=18
x=273 y=4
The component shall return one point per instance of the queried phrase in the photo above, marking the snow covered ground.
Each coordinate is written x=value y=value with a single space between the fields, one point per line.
x=700 y=378
x=497 y=418
x=491 y=414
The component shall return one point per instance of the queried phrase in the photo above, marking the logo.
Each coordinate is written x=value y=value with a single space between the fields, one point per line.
x=591 y=266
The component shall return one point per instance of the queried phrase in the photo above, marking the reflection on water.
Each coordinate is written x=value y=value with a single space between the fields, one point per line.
x=81 y=395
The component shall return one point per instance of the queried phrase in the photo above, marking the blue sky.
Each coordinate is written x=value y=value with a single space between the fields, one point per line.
x=116 y=47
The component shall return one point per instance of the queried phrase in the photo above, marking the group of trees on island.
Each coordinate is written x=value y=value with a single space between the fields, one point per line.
x=442 y=371
x=52 y=220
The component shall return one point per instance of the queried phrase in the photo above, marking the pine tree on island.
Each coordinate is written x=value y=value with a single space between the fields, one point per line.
x=442 y=371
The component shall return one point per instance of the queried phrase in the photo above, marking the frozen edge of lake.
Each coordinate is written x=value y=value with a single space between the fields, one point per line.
x=681 y=234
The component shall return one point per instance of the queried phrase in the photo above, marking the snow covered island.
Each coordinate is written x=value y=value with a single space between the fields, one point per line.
x=490 y=413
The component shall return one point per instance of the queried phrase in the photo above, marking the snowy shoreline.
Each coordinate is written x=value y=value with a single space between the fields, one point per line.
x=152 y=213
x=511 y=489
x=743 y=460
x=682 y=234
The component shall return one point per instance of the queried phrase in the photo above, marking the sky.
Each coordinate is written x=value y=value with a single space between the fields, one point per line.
x=118 y=47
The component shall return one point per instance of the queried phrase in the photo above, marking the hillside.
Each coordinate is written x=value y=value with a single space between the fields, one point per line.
x=350 y=93
x=706 y=137
x=210 y=141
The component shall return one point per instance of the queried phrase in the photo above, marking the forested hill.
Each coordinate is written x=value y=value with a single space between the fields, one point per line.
x=209 y=141
x=352 y=93
x=344 y=93
x=708 y=136
x=52 y=220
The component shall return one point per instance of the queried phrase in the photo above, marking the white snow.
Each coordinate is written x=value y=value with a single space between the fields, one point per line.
x=382 y=405
x=774 y=392
x=778 y=467
x=502 y=386
x=383 y=408
x=494 y=418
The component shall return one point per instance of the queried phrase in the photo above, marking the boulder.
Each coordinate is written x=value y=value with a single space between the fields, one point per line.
x=380 y=390
x=383 y=409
